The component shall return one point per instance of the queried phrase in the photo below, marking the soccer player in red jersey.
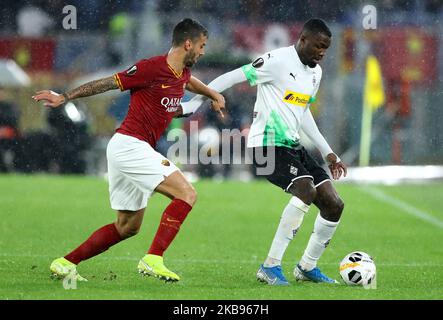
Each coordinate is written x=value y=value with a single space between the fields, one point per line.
x=135 y=169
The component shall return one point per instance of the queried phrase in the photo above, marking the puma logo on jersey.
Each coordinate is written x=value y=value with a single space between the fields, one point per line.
x=295 y=98
x=258 y=63
x=164 y=86
x=292 y=75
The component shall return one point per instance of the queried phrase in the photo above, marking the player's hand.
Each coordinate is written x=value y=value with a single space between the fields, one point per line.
x=336 y=166
x=218 y=104
x=50 y=98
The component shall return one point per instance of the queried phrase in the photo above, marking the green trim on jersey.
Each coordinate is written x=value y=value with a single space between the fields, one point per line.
x=250 y=73
x=312 y=100
x=276 y=133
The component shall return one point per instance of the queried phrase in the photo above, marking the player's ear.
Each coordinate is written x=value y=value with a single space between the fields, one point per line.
x=188 y=44
x=303 y=39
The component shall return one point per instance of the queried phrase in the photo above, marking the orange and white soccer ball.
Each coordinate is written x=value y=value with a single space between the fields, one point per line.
x=358 y=269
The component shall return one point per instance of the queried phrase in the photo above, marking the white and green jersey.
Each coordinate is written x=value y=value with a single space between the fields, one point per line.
x=286 y=88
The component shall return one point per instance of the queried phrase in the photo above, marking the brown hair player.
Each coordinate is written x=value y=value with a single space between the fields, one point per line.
x=135 y=169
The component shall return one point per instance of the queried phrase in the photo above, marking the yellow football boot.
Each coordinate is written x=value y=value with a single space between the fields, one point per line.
x=152 y=265
x=61 y=268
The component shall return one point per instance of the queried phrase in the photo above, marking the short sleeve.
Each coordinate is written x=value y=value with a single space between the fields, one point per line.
x=138 y=76
x=261 y=70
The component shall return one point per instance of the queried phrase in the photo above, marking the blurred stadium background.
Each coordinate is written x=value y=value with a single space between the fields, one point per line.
x=111 y=35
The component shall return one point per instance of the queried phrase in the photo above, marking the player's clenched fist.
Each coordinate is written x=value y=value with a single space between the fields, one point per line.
x=336 y=166
x=50 y=98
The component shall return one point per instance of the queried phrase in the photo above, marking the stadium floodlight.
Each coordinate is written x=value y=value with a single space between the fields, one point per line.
x=73 y=112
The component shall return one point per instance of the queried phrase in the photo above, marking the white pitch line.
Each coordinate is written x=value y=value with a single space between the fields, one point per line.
x=216 y=261
x=404 y=206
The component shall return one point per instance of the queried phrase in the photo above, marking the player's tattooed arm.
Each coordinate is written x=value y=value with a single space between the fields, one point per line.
x=53 y=99
x=92 y=88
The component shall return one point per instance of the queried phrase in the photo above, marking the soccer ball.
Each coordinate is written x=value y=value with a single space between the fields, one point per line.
x=358 y=269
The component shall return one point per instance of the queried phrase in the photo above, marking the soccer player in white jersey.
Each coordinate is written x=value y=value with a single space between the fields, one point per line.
x=287 y=82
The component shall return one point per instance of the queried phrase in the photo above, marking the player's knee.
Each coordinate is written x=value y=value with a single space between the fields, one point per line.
x=311 y=194
x=190 y=196
x=305 y=190
x=127 y=230
x=338 y=206
x=130 y=231
x=334 y=210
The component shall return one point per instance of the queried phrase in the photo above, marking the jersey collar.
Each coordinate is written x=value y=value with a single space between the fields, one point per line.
x=175 y=73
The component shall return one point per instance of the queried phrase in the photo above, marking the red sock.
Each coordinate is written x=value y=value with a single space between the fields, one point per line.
x=97 y=243
x=172 y=218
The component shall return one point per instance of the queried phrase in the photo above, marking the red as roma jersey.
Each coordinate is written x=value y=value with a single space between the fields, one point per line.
x=156 y=93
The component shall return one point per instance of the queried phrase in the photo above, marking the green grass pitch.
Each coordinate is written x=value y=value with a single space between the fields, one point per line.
x=220 y=245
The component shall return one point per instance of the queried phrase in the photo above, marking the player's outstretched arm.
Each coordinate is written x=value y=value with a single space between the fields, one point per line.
x=53 y=99
x=198 y=87
x=309 y=127
x=219 y=84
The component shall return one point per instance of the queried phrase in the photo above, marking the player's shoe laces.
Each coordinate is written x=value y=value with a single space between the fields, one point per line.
x=314 y=275
x=272 y=276
x=61 y=268
x=152 y=265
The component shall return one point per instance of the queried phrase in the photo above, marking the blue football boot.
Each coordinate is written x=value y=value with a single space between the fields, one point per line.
x=314 y=275
x=272 y=276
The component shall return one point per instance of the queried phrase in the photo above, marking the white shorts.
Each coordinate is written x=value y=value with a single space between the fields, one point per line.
x=135 y=169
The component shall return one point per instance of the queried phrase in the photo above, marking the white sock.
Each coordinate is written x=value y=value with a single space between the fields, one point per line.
x=320 y=237
x=290 y=221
